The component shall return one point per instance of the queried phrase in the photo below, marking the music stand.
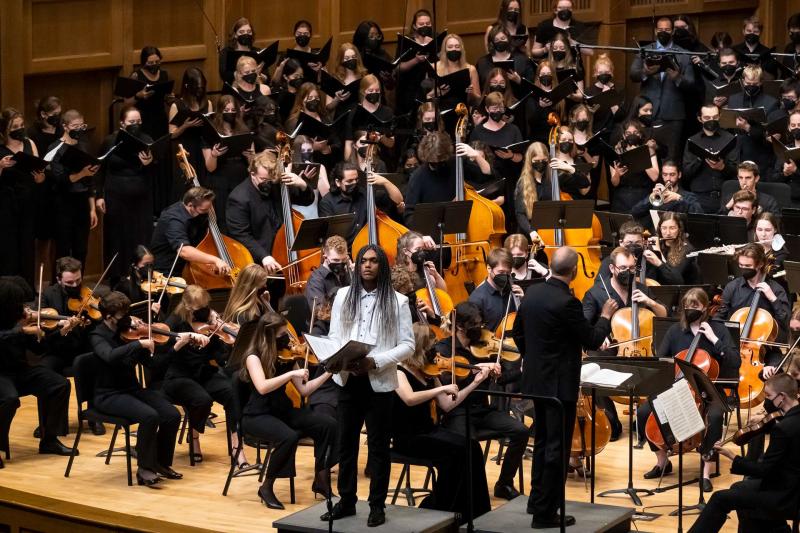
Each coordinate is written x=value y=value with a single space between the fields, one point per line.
x=313 y=231
x=610 y=224
x=790 y=220
x=438 y=218
x=660 y=327
x=715 y=269
x=574 y=214
x=670 y=295
x=792 y=246
x=706 y=231
x=792 y=275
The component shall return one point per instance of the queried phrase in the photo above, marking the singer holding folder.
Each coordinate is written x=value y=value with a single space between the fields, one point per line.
x=369 y=311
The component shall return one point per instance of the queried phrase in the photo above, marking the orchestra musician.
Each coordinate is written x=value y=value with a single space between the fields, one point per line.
x=492 y=296
x=748 y=175
x=550 y=331
x=414 y=252
x=525 y=265
x=332 y=274
x=765 y=230
x=131 y=285
x=631 y=237
x=249 y=298
x=673 y=197
x=667 y=252
x=745 y=205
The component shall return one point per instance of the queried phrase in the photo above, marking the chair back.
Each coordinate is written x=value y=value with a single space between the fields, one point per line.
x=85 y=370
x=241 y=395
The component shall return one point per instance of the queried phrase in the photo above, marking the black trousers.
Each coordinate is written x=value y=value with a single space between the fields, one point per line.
x=448 y=452
x=197 y=396
x=284 y=430
x=72 y=225
x=714 y=419
x=52 y=395
x=550 y=459
x=358 y=404
x=607 y=404
x=158 y=423
x=494 y=424
x=745 y=498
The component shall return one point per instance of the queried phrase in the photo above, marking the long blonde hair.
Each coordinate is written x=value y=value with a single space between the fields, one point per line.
x=528 y=177
x=424 y=339
x=194 y=297
x=245 y=302
x=462 y=62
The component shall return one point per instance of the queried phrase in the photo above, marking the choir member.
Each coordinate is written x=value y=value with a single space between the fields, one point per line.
x=509 y=17
x=349 y=69
x=242 y=38
x=630 y=188
x=192 y=99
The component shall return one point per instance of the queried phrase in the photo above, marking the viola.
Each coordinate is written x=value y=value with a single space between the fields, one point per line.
x=159 y=282
x=225 y=331
x=87 y=302
x=758 y=326
x=438 y=300
x=443 y=365
x=489 y=346
x=161 y=334
x=749 y=432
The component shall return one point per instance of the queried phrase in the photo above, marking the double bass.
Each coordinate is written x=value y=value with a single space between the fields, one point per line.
x=380 y=228
x=757 y=326
x=632 y=326
x=487 y=225
x=234 y=253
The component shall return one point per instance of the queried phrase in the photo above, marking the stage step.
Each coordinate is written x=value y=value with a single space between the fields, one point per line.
x=589 y=518
x=399 y=519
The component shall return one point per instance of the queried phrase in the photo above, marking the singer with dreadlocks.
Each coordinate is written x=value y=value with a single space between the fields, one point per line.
x=369 y=311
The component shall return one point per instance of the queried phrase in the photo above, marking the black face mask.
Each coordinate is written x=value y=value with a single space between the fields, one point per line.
x=518 y=261
x=246 y=39
x=250 y=78
x=307 y=156
x=350 y=189
x=581 y=125
x=664 y=37
x=409 y=170
x=546 y=80
x=373 y=44
x=282 y=342
x=624 y=278
x=134 y=129
x=497 y=88
x=729 y=70
x=53 y=120
x=752 y=90
x=692 y=315
x=72 y=292
x=312 y=105
x=752 y=39
x=646 y=120
x=229 y=117
x=501 y=281
x=633 y=139
x=350 y=64
x=152 y=69
x=17 y=134
x=795 y=134
x=604 y=78
x=198 y=92
x=473 y=334
x=202 y=314
x=788 y=104
x=501 y=46
x=270 y=118
x=372 y=98
x=425 y=31
x=296 y=82
x=794 y=37
x=497 y=116
x=419 y=257
x=265 y=188
x=539 y=166
x=430 y=126
x=748 y=273
x=124 y=323
x=76 y=134
x=681 y=35
x=302 y=40
x=565 y=147
x=559 y=55
x=453 y=55
x=512 y=16
x=564 y=14
x=770 y=407
x=362 y=151
x=711 y=125
x=338 y=269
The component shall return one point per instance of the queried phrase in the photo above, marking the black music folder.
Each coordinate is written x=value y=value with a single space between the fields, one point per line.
x=74 y=159
x=128 y=87
x=727 y=117
x=28 y=163
x=727 y=89
x=267 y=56
x=186 y=114
x=786 y=152
x=380 y=66
x=430 y=50
x=517 y=148
x=713 y=155
x=605 y=99
x=336 y=359
x=364 y=120
x=637 y=159
x=130 y=146
x=457 y=81
x=779 y=126
x=311 y=127
x=320 y=56
x=560 y=92
x=331 y=85
x=235 y=143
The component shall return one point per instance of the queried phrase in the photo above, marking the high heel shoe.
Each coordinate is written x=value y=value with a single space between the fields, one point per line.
x=197 y=457
x=147 y=481
x=268 y=497
x=322 y=484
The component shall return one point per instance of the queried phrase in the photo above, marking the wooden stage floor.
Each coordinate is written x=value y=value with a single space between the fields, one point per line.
x=197 y=501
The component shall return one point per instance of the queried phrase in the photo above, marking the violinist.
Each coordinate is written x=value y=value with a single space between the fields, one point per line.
x=119 y=393
x=550 y=332
x=19 y=378
x=131 y=285
x=490 y=421
x=738 y=293
x=416 y=434
x=332 y=274
x=716 y=340
x=492 y=296
x=525 y=265
x=667 y=252
x=270 y=415
x=768 y=495
x=194 y=379
x=403 y=283
x=184 y=223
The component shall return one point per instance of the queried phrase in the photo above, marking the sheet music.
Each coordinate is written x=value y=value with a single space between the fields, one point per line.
x=322 y=347
x=592 y=373
x=676 y=407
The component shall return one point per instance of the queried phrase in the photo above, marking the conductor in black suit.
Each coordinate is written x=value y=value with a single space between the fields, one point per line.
x=550 y=331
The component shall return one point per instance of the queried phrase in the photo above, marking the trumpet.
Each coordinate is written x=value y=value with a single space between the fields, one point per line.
x=657 y=196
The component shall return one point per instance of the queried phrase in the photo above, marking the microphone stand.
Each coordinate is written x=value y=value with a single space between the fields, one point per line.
x=329 y=495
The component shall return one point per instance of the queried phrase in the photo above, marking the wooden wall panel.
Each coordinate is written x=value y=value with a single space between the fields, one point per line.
x=167 y=24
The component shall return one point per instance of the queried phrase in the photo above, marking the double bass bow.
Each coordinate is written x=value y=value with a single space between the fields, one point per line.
x=234 y=253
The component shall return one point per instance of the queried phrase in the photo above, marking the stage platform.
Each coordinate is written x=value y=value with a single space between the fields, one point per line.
x=589 y=518
x=399 y=519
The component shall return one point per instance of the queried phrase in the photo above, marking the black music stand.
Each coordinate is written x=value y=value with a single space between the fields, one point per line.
x=792 y=246
x=670 y=295
x=651 y=376
x=792 y=275
x=610 y=223
x=661 y=325
x=790 y=220
x=438 y=218
x=574 y=214
x=313 y=231
x=716 y=269
x=706 y=231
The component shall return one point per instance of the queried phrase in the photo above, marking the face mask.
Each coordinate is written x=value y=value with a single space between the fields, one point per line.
x=76 y=134
x=282 y=342
x=664 y=37
x=302 y=40
x=134 y=129
x=512 y=16
x=769 y=407
x=559 y=55
x=692 y=315
x=752 y=90
x=604 y=78
x=350 y=189
x=752 y=39
x=581 y=125
x=246 y=39
x=229 y=117
x=501 y=281
x=419 y=257
x=409 y=170
x=17 y=134
x=748 y=273
x=202 y=314
x=497 y=88
x=72 y=292
x=269 y=118
x=372 y=98
x=250 y=78
x=338 y=269
x=497 y=116
x=795 y=37
x=265 y=188
x=53 y=120
x=711 y=125
x=633 y=139
x=518 y=261
x=430 y=126
x=473 y=334
x=501 y=46
x=453 y=55
x=565 y=147
x=624 y=278
x=296 y=82
x=362 y=151
x=373 y=44
x=307 y=156
x=546 y=80
x=350 y=64
x=728 y=70
x=539 y=166
x=312 y=105
x=564 y=14
x=788 y=104
x=425 y=31
x=682 y=35
x=646 y=120
x=795 y=133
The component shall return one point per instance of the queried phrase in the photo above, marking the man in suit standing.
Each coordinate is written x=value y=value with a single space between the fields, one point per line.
x=550 y=331
x=667 y=89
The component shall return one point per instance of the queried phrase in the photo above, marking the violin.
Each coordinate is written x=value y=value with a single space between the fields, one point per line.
x=161 y=334
x=225 y=331
x=49 y=319
x=444 y=365
x=159 y=282
x=489 y=346
x=296 y=352
x=87 y=302
x=748 y=432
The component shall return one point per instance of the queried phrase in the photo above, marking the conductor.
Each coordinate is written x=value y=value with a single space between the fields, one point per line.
x=550 y=331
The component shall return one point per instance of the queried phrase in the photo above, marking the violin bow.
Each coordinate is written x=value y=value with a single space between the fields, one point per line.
x=453 y=347
x=166 y=282
x=39 y=307
x=99 y=281
x=150 y=307
x=310 y=328
x=503 y=330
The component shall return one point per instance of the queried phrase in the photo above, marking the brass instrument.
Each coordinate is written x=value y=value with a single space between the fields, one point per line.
x=657 y=196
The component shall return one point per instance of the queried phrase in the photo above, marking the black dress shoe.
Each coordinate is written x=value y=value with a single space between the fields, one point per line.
x=639 y=444
x=655 y=472
x=55 y=447
x=377 y=517
x=553 y=521
x=147 y=478
x=507 y=492
x=268 y=497
x=707 y=486
x=37 y=433
x=97 y=428
x=339 y=511
x=168 y=472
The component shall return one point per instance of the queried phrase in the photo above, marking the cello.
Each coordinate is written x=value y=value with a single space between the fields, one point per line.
x=438 y=300
x=757 y=325
x=633 y=326
x=296 y=269
x=487 y=225
x=234 y=253
x=380 y=228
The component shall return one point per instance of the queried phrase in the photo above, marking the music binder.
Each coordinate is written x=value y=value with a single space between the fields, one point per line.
x=336 y=359
x=430 y=49
x=606 y=99
x=331 y=85
x=727 y=89
x=267 y=56
x=708 y=153
x=677 y=414
x=130 y=146
x=380 y=66
x=517 y=148
x=637 y=160
x=128 y=87
x=728 y=116
x=28 y=163
x=364 y=120
x=457 y=81
x=321 y=56
x=186 y=114
x=236 y=143
x=560 y=92
x=786 y=152
x=74 y=159
x=311 y=127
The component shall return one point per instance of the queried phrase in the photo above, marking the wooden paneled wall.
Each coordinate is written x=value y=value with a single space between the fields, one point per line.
x=75 y=48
